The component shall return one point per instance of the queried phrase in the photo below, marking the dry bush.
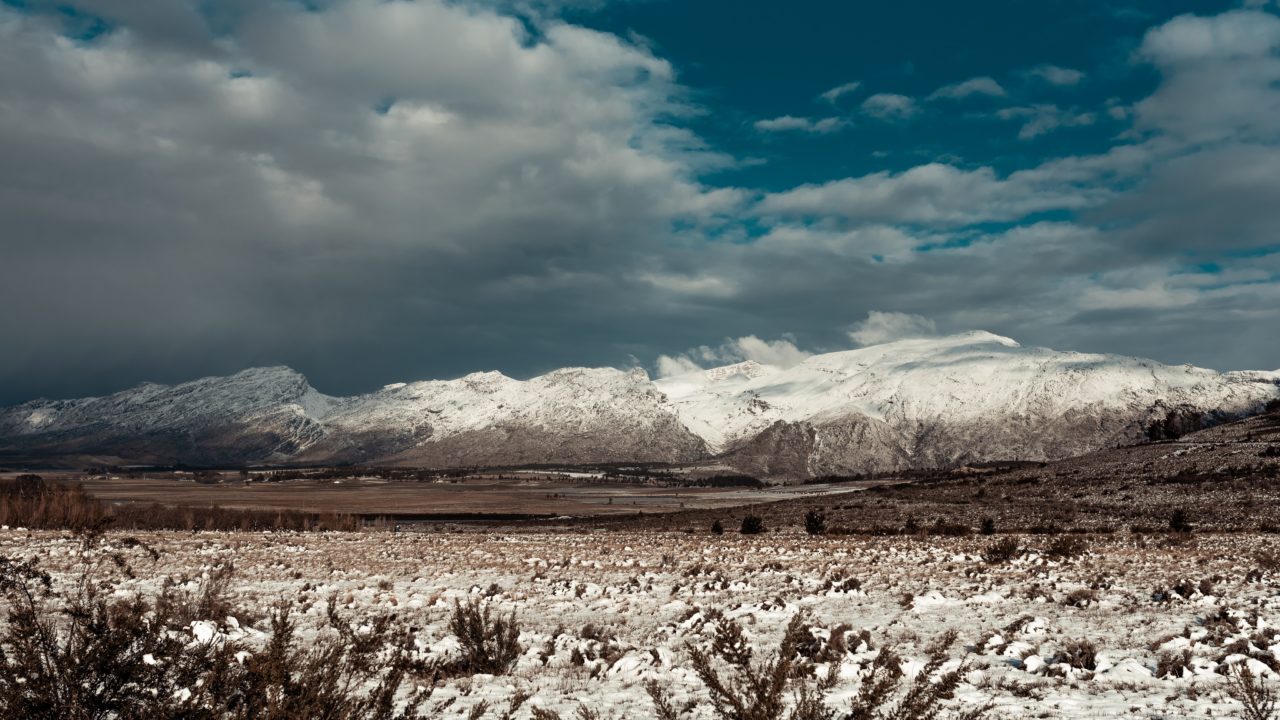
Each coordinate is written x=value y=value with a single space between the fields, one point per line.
x=1180 y=521
x=921 y=700
x=583 y=713
x=30 y=501
x=1066 y=546
x=1001 y=551
x=1173 y=664
x=661 y=698
x=183 y=517
x=815 y=523
x=88 y=653
x=752 y=525
x=1267 y=563
x=743 y=689
x=1252 y=692
x=1081 y=654
x=209 y=602
x=1081 y=597
x=749 y=690
x=490 y=644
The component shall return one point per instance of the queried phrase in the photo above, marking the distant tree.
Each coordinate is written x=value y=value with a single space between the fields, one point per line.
x=815 y=523
x=752 y=525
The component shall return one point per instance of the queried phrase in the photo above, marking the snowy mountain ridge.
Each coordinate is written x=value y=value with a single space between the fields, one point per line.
x=909 y=403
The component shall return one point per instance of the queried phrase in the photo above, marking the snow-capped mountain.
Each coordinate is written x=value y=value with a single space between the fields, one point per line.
x=910 y=403
x=944 y=401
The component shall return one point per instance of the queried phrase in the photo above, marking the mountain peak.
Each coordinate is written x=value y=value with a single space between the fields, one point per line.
x=919 y=402
x=747 y=368
x=982 y=336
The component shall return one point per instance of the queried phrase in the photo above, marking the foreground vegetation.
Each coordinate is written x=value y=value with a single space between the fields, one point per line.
x=781 y=624
x=88 y=648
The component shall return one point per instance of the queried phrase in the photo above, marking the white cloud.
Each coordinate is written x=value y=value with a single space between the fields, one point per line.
x=933 y=194
x=1055 y=75
x=890 y=107
x=453 y=179
x=781 y=353
x=434 y=145
x=790 y=123
x=1221 y=78
x=840 y=91
x=882 y=242
x=703 y=284
x=1152 y=296
x=668 y=365
x=1232 y=35
x=882 y=327
x=1041 y=119
x=972 y=86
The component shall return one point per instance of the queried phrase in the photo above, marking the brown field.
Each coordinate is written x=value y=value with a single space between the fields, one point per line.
x=544 y=497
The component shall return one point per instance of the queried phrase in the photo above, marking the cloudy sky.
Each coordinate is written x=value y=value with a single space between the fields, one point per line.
x=373 y=191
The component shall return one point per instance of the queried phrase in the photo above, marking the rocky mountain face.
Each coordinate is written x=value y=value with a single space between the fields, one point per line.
x=911 y=403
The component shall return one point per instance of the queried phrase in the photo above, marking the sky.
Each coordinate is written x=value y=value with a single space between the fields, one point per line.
x=374 y=191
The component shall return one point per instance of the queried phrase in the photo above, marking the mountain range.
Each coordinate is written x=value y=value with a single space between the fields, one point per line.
x=927 y=402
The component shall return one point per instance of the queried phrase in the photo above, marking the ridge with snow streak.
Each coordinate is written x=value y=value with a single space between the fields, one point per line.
x=910 y=403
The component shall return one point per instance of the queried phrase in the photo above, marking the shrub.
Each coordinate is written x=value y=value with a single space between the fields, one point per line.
x=752 y=525
x=490 y=644
x=988 y=526
x=717 y=528
x=583 y=713
x=815 y=523
x=942 y=527
x=1173 y=664
x=1081 y=654
x=1179 y=521
x=90 y=653
x=1080 y=597
x=32 y=502
x=1001 y=551
x=749 y=690
x=1252 y=692
x=1066 y=546
x=662 y=706
x=742 y=688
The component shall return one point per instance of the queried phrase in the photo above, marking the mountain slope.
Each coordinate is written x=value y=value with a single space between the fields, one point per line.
x=271 y=415
x=911 y=403
x=943 y=401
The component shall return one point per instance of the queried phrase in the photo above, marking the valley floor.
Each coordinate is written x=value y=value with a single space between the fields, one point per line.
x=602 y=612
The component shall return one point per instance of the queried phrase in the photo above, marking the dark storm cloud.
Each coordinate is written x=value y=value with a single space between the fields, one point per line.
x=374 y=192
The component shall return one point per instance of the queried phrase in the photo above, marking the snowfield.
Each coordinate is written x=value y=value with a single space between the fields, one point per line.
x=1121 y=626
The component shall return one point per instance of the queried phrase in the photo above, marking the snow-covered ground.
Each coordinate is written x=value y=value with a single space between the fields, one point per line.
x=643 y=599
